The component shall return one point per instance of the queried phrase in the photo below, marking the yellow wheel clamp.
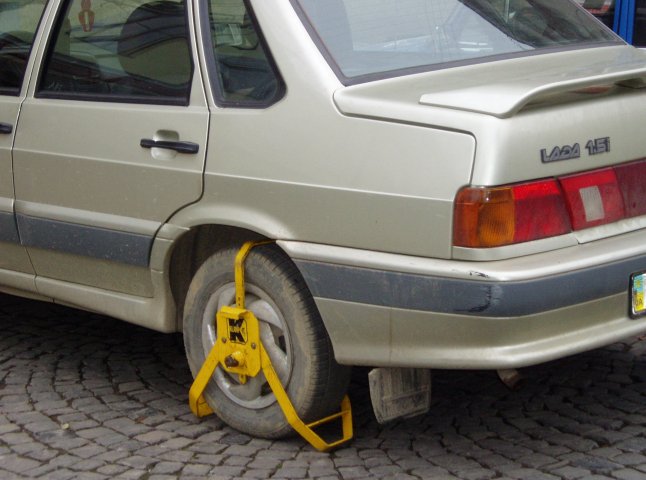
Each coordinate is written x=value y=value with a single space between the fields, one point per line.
x=246 y=357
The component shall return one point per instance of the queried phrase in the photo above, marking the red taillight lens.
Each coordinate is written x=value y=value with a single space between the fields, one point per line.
x=593 y=198
x=632 y=183
x=492 y=217
x=496 y=216
x=540 y=211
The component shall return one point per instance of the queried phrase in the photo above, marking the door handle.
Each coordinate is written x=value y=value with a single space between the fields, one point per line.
x=181 y=147
x=6 y=128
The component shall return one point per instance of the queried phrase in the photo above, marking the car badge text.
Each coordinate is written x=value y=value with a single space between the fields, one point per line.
x=569 y=152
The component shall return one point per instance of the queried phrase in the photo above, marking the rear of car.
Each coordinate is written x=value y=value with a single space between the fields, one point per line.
x=539 y=251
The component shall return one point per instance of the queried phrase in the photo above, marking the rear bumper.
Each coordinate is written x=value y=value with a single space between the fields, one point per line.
x=390 y=310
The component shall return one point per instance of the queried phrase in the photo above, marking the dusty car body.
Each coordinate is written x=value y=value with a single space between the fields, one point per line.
x=449 y=184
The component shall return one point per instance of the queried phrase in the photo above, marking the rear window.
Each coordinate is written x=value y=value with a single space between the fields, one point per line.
x=364 y=39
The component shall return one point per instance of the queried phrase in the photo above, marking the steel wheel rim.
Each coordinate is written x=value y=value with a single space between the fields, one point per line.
x=255 y=394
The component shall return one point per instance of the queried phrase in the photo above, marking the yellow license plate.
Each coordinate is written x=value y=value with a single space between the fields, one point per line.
x=637 y=290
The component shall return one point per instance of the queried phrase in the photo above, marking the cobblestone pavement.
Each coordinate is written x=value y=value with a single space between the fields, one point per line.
x=85 y=396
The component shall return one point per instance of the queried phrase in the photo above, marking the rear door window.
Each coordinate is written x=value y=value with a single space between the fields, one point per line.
x=18 y=23
x=120 y=50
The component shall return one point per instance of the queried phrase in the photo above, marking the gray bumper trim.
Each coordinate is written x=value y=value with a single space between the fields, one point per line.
x=484 y=298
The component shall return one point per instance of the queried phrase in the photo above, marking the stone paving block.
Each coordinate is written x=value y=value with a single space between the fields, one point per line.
x=353 y=472
x=606 y=452
x=226 y=470
x=88 y=451
x=208 y=459
x=257 y=473
x=530 y=474
x=137 y=462
x=637 y=444
x=276 y=454
x=82 y=425
x=239 y=461
x=112 y=469
x=385 y=470
x=87 y=465
x=43 y=454
x=475 y=474
x=571 y=473
x=196 y=469
x=628 y=474
x=630 y=459
x=291 y=472
x=15 y=438
x=154 y=437
x=26 y=449
x=8 y=428
x=167 y=468
x=536 y=460
x=18 y=407
x=596 y=464
x=193 y=431
x=349 y=461
x=17 y=464
x=126 y=426
x=175 y=456
x=116 y=439
x=176 y=443
x=94 y=433
x=377 y=461
x=132 y=474
x=61 y=474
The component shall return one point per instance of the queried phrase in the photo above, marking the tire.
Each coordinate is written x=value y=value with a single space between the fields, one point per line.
x=291 y=331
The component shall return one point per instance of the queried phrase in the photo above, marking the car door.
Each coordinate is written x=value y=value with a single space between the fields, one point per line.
x=111 y=142
x=19 y=21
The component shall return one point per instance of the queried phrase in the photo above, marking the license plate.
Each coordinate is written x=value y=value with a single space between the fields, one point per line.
x=637 y=290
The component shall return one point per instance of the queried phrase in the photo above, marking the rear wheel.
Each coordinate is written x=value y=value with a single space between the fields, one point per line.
x=291 y=332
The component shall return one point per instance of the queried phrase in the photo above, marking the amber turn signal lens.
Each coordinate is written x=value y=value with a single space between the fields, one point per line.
x=493 y=217
x=484 y=217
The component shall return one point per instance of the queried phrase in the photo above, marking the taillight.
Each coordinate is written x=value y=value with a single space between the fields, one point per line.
x=496 y=216
x=492 y=217
x=593 y=198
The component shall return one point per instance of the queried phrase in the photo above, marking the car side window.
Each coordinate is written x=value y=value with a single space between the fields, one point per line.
x=120 y=50
x=246 y=74
x=19 y=20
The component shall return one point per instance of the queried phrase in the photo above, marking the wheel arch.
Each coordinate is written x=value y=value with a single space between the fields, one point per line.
x=190 y=249
x=197 y=231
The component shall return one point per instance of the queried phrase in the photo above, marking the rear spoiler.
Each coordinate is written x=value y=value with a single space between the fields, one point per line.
x=504 y=100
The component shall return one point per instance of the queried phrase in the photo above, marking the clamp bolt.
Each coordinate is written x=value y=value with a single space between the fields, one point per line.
x=231 y=362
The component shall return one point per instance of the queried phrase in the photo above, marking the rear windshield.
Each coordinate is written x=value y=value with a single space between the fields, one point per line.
x=364 y=39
